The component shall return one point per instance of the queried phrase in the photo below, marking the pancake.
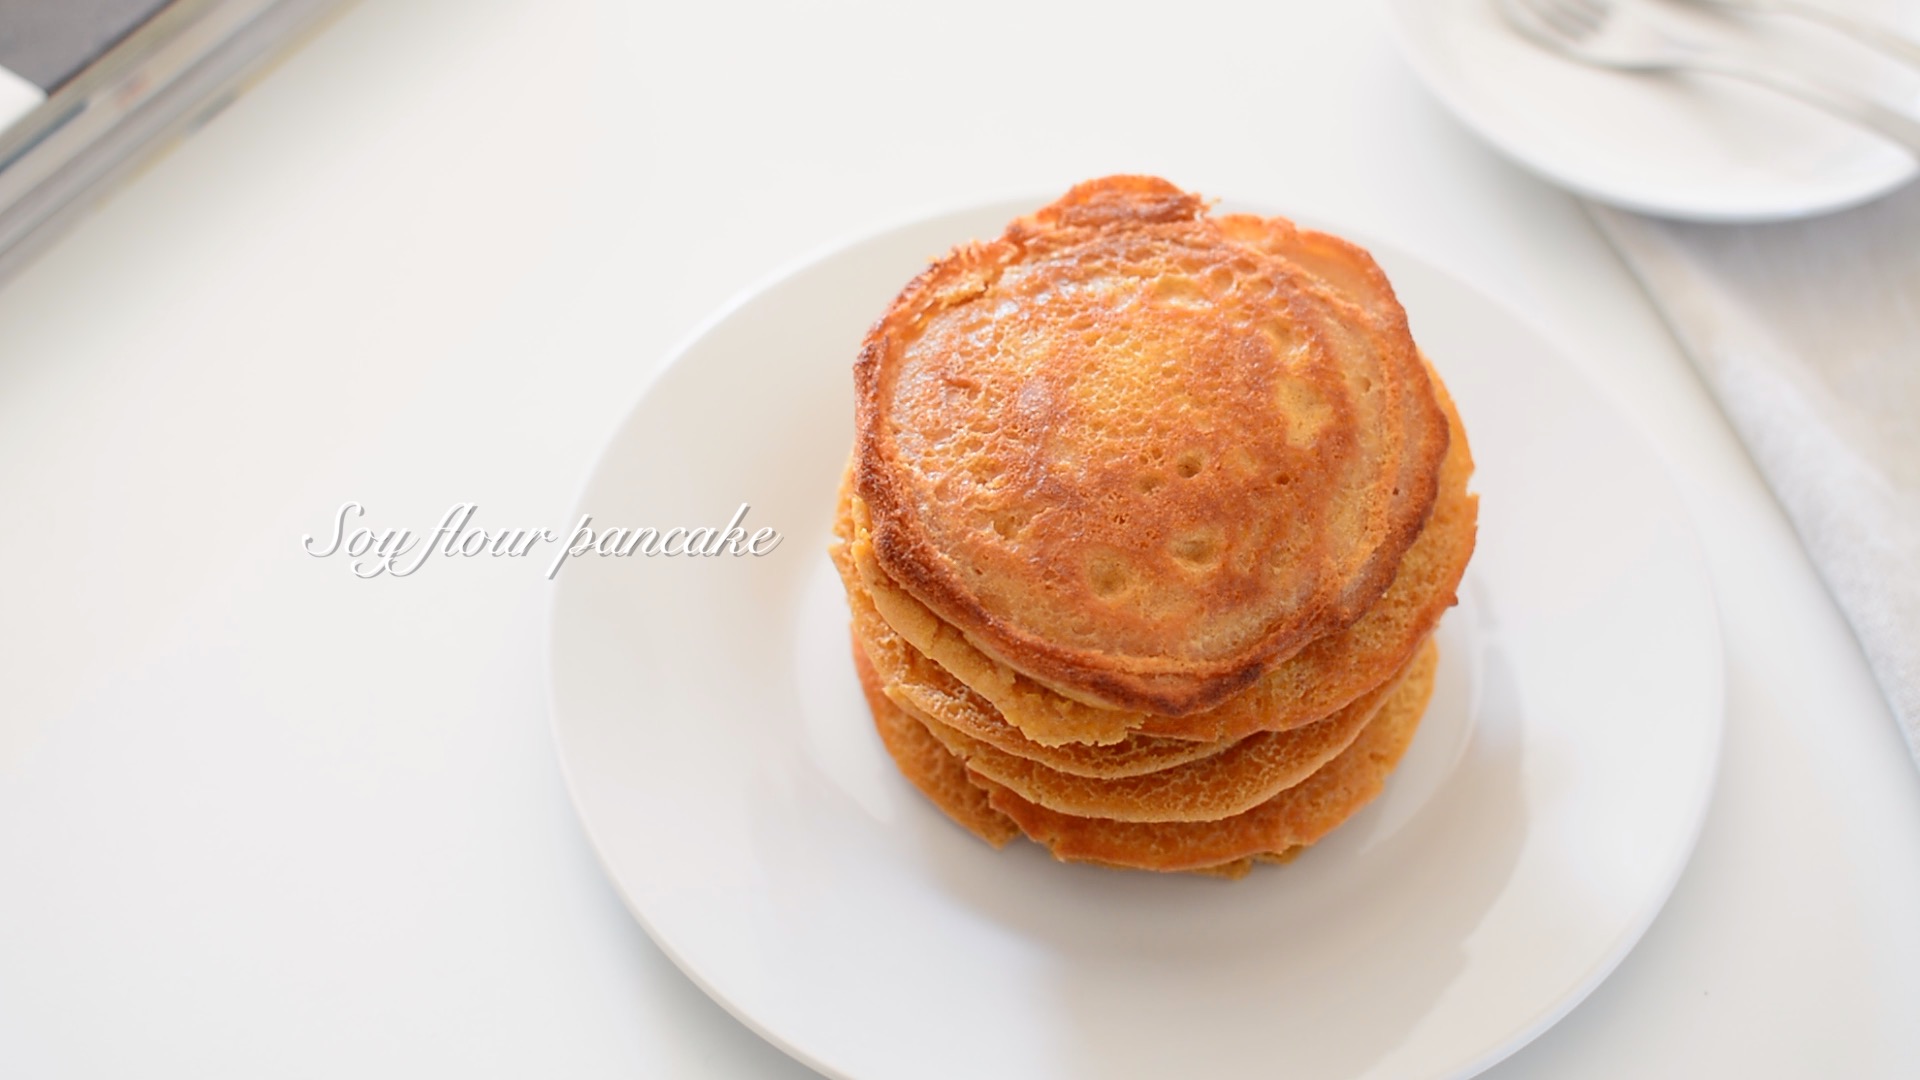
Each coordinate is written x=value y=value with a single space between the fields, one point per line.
x=934 y=695
x=1142 y=458
x=943 y=779
x=940 y=776
x=1244 y=775
x=1142 y=778
x=1323 y=678
x=1299 y=816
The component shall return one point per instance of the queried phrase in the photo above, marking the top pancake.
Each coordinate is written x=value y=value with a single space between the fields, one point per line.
x=1141 y=454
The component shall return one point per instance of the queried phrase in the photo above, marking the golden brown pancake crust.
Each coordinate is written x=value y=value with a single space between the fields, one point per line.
x=1241 y=776
x=1321 y=679
x=1296 y=817
x=943 y=779
x=940 y=776
x=1140 y=457
x=1142 y=778
x=931 y=693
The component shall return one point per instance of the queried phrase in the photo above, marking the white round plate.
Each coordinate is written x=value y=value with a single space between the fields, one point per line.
x=1700 y=148
x=725 y=767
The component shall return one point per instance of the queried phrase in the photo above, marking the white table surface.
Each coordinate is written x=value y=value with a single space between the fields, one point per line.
x=259 y=818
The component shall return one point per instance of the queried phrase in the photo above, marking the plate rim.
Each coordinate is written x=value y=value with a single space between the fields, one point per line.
x=1419 y=57
x=850 y=240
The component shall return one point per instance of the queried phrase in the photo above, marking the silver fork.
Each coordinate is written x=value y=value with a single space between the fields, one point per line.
x=1886 y=39
x=1604 y=34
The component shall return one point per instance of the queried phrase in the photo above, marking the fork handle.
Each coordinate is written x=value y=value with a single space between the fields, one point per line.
x=1862 y=111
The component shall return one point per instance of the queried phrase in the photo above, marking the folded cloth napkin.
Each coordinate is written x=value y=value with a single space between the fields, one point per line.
x=1809 y=334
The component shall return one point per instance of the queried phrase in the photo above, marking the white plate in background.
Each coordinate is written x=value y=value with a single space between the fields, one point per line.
x=1701 y=148
x=725 y=768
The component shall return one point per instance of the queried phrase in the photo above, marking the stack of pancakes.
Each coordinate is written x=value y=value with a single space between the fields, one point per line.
x=1150 y=519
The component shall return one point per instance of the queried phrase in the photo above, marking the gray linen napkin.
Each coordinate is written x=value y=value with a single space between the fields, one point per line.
x=1809 y=334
